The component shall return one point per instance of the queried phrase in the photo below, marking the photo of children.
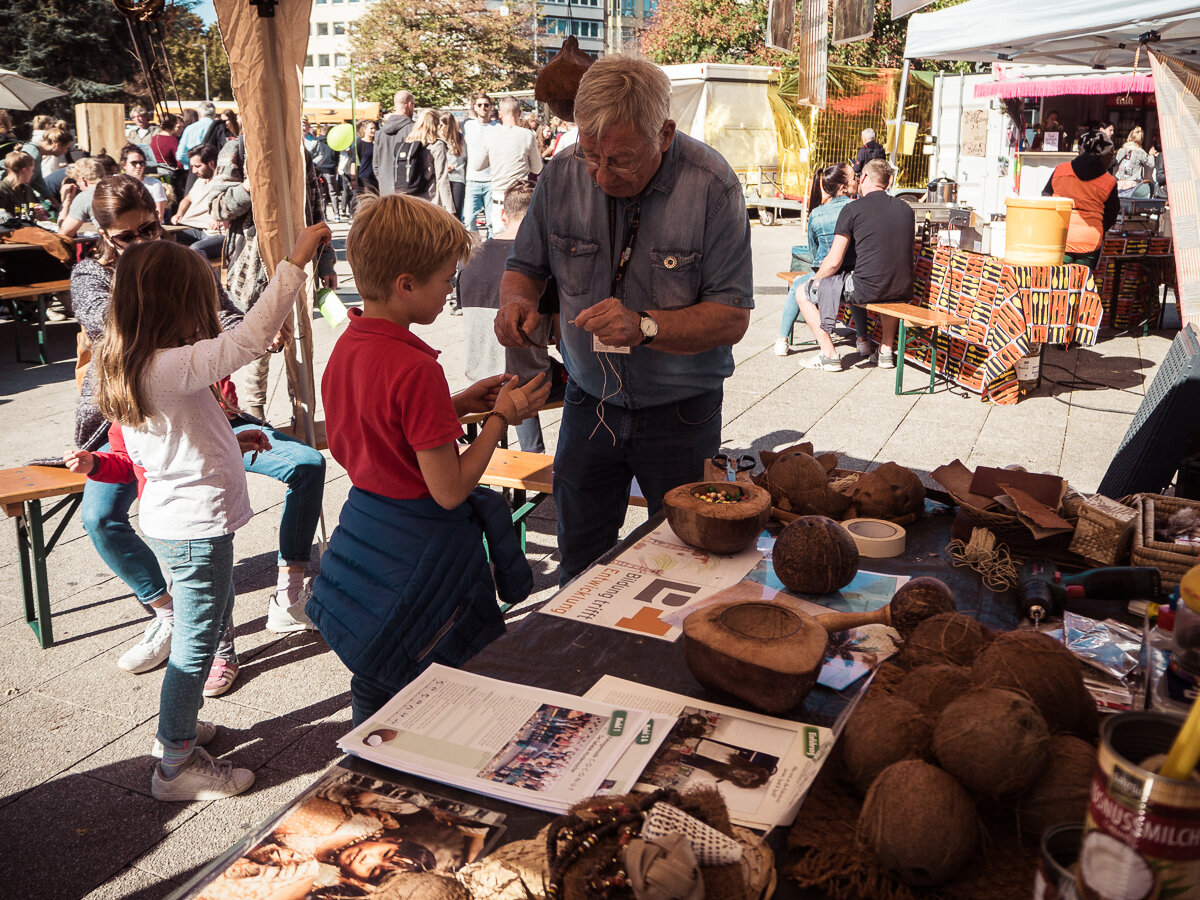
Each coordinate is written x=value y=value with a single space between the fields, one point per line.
x=697 y=753
x=544 y=749
x=349 y=836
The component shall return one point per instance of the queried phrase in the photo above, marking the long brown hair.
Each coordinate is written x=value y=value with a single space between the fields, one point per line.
x=425 y=131
x=450 y=132
x=163 y=295
x=115 y=196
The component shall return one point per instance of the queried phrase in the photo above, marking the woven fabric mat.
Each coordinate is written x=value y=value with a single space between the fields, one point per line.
x=829 y=858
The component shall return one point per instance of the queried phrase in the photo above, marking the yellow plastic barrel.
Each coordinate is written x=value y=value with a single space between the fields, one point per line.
x=1036 y=232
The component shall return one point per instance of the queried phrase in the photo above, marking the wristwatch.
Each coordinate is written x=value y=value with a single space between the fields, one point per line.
x=649 y=328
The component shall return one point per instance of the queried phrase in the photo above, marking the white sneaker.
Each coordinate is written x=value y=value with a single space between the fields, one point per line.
x=205 y=732
x=864 y=348
x=285 y=619
x=782 y=346
x=151 y=651
x=885 y=360
x=203 y=778
x=822 y=363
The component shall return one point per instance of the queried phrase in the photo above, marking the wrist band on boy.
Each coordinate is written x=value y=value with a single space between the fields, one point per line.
x=499 y=415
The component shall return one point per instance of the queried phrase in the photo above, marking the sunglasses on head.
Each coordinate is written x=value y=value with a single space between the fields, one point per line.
x=147 y=232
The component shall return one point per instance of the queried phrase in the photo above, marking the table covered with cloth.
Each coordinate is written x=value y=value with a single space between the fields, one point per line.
x=1133 y=266
x=1009 y=309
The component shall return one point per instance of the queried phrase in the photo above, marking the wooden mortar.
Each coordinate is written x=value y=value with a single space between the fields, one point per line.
x=718 y=527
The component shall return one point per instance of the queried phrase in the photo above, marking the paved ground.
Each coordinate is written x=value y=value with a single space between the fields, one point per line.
x=76 y=816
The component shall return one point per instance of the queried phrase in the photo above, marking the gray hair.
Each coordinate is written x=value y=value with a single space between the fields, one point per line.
x=868 y=134
x=623 y=90
x=206 y=109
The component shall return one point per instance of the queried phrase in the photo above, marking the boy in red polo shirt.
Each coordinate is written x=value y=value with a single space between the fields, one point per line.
x=405 y=581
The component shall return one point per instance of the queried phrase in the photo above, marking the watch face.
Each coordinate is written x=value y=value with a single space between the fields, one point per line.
x=649 y=326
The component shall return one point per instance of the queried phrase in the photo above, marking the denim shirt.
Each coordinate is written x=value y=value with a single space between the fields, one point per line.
x=822 y=224
x=692 y=246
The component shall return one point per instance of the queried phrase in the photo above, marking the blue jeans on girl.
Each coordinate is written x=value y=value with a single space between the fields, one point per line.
x=202 y=590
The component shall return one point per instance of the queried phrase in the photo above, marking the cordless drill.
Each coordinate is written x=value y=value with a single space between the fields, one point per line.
x=1097 y=593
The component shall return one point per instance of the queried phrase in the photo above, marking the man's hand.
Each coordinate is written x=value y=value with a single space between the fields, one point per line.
x=515 y=321
x=612 y=322
x=81 y=462
x=481 y=396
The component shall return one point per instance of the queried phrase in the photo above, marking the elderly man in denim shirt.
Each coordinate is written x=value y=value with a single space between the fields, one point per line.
x=645 y=232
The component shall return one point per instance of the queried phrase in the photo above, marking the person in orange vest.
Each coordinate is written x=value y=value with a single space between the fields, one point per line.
x=1085 y=180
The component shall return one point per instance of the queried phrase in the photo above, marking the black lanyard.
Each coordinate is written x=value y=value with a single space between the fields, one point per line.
x=630 y=237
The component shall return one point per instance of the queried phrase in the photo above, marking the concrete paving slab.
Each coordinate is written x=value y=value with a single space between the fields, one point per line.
x=316 y=747
x=76 y=832
x=132 y=883
x=268 y=681
x=43 y=736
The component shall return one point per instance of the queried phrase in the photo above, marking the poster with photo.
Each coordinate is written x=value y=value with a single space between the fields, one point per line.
x=763 y=766
x=353 y=835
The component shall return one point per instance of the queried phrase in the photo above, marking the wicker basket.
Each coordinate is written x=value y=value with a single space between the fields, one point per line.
x=1104 y=531
x=1171 y=559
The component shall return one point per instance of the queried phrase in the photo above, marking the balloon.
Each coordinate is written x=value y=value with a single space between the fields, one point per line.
x=340 y=137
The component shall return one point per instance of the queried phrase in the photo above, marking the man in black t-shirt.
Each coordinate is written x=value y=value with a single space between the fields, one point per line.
x=874 y=237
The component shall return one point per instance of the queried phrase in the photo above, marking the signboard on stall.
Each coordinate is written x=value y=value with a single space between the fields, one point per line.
x=1126 y=101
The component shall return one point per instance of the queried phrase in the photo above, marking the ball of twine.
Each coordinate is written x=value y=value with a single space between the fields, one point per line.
x=985 y=556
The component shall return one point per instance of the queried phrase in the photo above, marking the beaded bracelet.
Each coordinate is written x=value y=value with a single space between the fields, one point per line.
x=499 y=415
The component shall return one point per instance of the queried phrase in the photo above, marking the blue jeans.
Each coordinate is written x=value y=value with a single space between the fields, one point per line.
x=366 y=699
x=479 y=193
x=662 y=446
x=791 y=309
x=202 y=588
x=105 y=515
x=302 y=469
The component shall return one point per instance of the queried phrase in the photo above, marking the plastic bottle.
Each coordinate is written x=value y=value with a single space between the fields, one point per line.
x=1183 y=672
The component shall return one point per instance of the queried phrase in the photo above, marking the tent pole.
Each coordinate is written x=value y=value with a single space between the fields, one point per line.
x=900 y=98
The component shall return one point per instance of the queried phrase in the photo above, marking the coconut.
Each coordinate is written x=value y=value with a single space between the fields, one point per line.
x=558 y=81
x=720 y=517
x=799 y=483
x=815 y=555
x=933 y=688
x=887 y=678
x=1111 y=869
x=889 y=492
x=993 y=741
x=1038 y=666
x=1063 y=788
x=919 y=599
x=919 y=822
x=948 y=638
x=883 y=730
x=1088 y=726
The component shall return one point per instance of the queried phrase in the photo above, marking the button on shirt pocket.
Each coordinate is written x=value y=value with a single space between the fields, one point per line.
x=573 y=262
x=675 y=277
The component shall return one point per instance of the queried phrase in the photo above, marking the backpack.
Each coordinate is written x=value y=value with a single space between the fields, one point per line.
x=414 y=168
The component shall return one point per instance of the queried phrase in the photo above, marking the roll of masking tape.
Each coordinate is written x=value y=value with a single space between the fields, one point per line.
x=876 y=538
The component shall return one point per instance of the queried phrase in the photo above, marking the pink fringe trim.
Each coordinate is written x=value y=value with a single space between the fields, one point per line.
x=1057 y=86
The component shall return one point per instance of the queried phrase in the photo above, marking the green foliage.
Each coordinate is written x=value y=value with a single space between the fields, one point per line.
x=81 y=46
x=440 y=50
x=884 y=49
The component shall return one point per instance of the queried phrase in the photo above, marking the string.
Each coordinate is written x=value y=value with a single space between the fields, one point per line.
x=990 y=560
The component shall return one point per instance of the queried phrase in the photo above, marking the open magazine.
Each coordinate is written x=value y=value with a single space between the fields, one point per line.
x=526 y=745
x=352 y=835
x=762 y=766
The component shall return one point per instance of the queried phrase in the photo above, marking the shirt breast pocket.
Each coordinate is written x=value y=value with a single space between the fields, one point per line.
x=675 y=277
x=573 y=262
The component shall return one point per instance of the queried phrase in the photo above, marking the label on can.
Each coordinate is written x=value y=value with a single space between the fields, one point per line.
x=1138 y=843
x=1029 y=368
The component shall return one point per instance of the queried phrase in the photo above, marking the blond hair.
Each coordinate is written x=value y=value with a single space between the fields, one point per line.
x=90 y=167
x=878 y=171
x=57 y=135
x=450 y=132
x=425 y=131
x=42 y=122
x=623 y=90
x=1136 y=136
x=163 y=295
x=401 y=235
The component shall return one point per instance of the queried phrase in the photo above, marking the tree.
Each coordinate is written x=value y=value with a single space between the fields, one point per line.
x=187 y=40
x=440 y=50
x=81 y=46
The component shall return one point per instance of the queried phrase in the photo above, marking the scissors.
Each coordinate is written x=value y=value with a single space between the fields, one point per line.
x=733 y=465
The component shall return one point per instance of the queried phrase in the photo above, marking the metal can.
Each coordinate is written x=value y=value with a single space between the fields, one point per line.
x=1055 y=875
x=1142 y=832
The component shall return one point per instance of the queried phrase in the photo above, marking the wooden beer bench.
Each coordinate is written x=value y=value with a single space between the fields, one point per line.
x=39 y=292
x=911 y=315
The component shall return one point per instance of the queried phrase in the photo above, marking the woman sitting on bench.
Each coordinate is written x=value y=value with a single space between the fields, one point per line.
x=126 y=214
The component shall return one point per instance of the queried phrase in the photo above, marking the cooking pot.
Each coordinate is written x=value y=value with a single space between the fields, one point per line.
x=943 y=190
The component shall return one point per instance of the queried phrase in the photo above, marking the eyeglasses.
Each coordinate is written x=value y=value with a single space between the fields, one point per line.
x=618 y=169
x=135 y=162
x=149 y=231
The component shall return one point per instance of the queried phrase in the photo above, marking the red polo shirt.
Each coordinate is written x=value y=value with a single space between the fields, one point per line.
x=386 y=397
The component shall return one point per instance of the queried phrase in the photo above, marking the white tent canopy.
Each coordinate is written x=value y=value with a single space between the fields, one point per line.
x=1094 y=33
